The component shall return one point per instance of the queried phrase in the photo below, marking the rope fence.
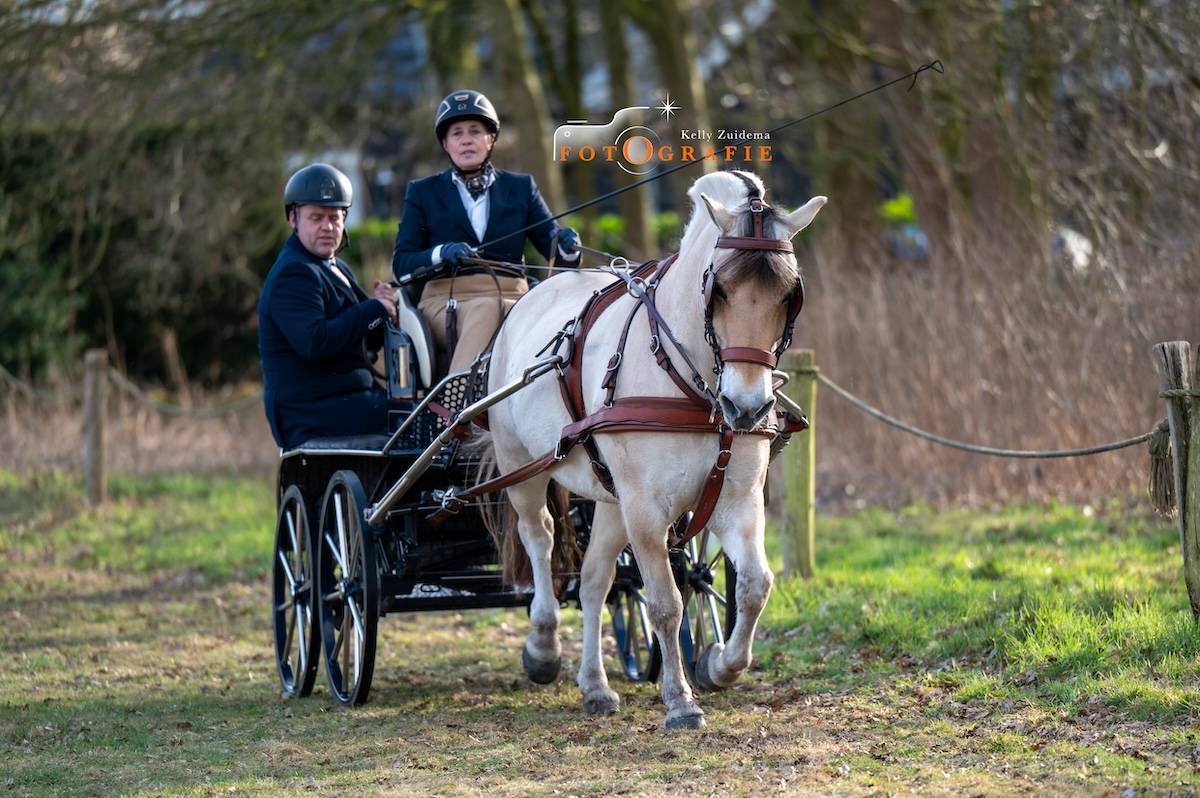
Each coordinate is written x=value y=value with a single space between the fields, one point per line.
x=986 y=450
x=1174 y=446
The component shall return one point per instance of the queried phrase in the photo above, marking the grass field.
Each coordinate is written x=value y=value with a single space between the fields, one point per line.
x=1033 y=650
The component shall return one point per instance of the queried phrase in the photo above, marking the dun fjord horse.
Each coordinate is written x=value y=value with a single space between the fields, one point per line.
x=729 y=299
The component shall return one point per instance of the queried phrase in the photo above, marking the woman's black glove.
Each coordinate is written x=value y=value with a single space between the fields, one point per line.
x=453 y=254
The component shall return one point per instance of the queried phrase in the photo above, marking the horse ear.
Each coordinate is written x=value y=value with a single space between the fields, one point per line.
x=802 y=217
x=722 y=217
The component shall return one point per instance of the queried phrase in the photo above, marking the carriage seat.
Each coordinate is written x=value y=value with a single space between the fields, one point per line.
x=359 y=443
x=413 y=324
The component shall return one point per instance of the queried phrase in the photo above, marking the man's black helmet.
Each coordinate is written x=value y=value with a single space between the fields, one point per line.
x=465 y=104
x=318 y=184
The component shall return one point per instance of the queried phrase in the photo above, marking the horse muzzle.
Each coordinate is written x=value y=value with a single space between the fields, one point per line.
x=744 y=416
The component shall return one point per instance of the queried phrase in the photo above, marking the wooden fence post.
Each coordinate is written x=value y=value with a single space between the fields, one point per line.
x=1174 y=363
x=799 y=470
x=95 y=383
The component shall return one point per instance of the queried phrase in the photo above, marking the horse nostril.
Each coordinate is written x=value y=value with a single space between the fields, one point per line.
x=729 y=409
x=761 y=413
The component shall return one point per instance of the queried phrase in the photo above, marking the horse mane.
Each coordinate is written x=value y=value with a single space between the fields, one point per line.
x=777 y=272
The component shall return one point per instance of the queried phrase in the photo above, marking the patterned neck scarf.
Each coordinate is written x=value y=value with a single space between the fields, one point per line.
x=479 y=181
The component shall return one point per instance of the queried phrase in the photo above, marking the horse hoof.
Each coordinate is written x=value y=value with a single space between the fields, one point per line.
x=704 y=679
x=693 y=721
x=540 y=671
x=602 y=703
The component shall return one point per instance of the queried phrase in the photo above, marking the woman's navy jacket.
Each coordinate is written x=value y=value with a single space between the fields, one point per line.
x=434 y=214
x=311 y=333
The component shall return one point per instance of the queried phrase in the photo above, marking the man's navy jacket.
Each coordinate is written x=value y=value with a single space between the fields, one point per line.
x=434 y=214
x=311 y=333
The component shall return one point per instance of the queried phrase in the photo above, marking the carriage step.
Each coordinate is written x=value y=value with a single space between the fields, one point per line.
x=412 y=603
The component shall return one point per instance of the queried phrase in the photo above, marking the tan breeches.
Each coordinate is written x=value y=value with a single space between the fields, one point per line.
x=480 y=309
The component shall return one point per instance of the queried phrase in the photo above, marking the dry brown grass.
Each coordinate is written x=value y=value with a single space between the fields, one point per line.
x=998 y=347
x=48 y=434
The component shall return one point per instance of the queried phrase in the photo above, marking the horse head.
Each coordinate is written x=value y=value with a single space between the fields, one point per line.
x=752 y=290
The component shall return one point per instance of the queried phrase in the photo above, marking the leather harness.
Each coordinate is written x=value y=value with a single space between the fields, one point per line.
x=696 y=411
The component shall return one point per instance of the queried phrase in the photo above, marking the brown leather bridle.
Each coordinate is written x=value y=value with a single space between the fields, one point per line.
x=794 y=300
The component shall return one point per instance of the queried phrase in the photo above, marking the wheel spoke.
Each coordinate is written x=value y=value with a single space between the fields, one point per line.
x=300 y=560
x=356 y=617
x=714 y=618
x=341 y=528
x=287 y=641
x=302 y=645
x=338 y=639
x=347 y=630
x=287 y=572
x=354 y=560
x=713 y=594
x=358 y=645
x=285 y=606
x=337 y=555
x=292 y=528
x=644 y=624
x=700 y=628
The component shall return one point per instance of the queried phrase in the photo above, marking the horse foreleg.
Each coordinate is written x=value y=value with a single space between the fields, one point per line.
x=595 y=579
x=665 y=607
x=542 y=654
x=719 y=666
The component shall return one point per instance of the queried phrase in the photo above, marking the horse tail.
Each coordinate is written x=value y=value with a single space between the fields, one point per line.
x=500 y=520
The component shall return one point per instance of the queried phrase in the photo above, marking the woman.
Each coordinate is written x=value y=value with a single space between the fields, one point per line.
x=448 y=215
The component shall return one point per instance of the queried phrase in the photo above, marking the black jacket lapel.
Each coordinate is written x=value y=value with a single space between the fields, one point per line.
x=448 y=193
x=499 y=205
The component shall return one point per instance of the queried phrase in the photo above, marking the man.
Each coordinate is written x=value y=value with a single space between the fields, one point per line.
x=316 y=324
x=448 y=215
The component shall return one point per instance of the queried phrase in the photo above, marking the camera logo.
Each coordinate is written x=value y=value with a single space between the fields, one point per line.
x=625 y=140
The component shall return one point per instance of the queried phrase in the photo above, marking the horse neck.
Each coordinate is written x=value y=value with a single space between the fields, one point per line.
x=679 y=297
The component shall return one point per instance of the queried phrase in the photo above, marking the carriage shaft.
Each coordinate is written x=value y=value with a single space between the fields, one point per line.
x=375 y=513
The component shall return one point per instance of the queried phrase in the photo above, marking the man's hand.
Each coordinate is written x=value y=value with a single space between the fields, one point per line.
x=386 y=295
x=453 y=254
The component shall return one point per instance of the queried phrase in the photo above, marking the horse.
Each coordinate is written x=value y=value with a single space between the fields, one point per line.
x=712 y=296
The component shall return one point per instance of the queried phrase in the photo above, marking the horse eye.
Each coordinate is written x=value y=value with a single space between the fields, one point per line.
x=719 y=293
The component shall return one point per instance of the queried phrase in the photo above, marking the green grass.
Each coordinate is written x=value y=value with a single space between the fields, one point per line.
x=1056 y=604
x=1044 y=650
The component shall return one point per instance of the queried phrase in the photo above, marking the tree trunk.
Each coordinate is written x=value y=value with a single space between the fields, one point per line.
x=525 y=102
x=669 y=29
x=173 y=363
x=636 y=206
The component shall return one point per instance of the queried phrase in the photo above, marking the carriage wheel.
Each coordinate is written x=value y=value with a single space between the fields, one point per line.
x=296 y=652
x=707 y=583
x=348 y=584
x=641 y=658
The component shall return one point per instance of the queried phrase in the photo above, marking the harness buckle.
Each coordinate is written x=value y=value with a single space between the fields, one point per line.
x=614 y=362
x=723 y=458
x=450 y=502
x=451 y=303
x=655 y=344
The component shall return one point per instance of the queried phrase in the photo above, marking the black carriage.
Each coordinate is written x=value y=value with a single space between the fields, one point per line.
x=360 y=534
